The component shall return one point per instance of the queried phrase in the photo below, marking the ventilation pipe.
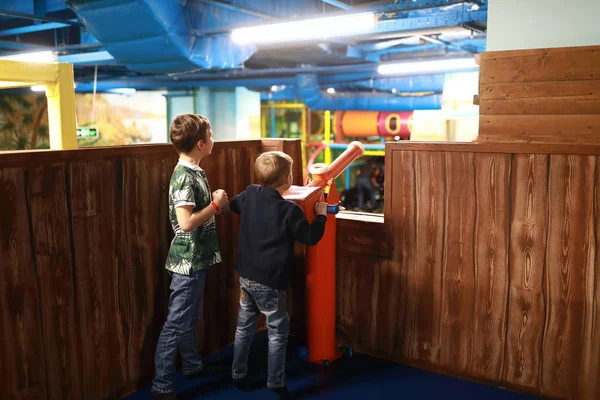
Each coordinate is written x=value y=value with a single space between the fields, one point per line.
x=315 y=99
x=154 y=36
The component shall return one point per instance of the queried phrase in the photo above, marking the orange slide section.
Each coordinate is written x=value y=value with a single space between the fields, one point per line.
x=362 y=124
x=321 y=259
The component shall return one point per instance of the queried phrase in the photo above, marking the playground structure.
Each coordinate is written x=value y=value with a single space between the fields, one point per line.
x=320 y=141
x=321 y=258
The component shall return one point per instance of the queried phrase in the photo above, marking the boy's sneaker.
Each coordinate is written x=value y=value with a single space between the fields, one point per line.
x=241 y=384
x=164 y=396
x=207 y=370
x=284 y=393
x=247 y=385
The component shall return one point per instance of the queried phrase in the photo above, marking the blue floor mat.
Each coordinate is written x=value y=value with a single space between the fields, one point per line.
x=348 y=378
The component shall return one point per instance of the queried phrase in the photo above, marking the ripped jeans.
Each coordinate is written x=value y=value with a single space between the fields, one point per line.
x=255 y=299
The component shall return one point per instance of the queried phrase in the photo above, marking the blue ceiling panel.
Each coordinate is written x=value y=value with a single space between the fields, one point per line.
x=160 y=44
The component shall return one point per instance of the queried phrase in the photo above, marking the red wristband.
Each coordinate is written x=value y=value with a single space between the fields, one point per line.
x=216 y=207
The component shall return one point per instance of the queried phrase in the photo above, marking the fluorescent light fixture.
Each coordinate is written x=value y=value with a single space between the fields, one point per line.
x=427 y=67
x=38 y=88
x=312 y=29
x=123 y=90
x=35 y=57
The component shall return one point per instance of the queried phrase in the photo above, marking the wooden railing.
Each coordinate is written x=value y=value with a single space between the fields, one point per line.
x=83 y=290
x=493 y=273
x=485 y=266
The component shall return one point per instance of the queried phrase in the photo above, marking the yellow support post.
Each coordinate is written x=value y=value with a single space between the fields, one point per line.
x=303 y=139
x=62 y=123
x=380 y=153
x=284 y=105
x=327 y=136
x=59 y=82
x=25 y=72
x=263 y=124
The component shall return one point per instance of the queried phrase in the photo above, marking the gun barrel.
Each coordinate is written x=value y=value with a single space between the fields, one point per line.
x=322 y=173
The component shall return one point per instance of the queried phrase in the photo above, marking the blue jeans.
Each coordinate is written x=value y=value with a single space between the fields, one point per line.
x=179 y=332
x=363 y=185
x=255 y=299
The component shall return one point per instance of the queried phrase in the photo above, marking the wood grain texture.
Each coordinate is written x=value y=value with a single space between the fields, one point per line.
x=221 y=282
x=94 y=199
x=430 y=194
x=492 y=194
x=525 y=303
x=52 y=244
x=528 y=128
x=497 y=148
x=534 y=307
x=590 y=377
x=541 y=106
x=540 y=96
x=22 y=365
x=566 y=97
x=141 y=275
x=571 y=258
x=354 y=293
x=83 y=289
x=456 y=333
x=291 y=148
x=403 y=228
x=557 y=64
x=528 y=235
x=362 y=238
x=361 y=243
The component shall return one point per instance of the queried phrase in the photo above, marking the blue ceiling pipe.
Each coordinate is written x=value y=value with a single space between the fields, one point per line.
x=144 y=83
x=153 y=36
x=310 y=93
x=422 y=83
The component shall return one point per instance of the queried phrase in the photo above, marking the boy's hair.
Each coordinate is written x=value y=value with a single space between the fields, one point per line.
x=187 y=130
x=273 y=168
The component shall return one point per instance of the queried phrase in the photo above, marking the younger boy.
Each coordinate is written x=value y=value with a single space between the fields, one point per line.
x=194 y=248
x=269 y=226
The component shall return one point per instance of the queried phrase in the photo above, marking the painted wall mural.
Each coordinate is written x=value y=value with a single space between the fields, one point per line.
x=119 y=119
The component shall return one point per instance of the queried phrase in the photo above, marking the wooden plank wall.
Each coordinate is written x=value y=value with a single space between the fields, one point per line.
x=540 y=96
x=83 y=290
x=494 y=270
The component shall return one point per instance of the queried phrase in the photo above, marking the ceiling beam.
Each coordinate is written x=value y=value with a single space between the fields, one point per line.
x=414 y=5
x=338 y=4
x=15 y=14
x=33 y=28
x=5 y=44
x=91 y=58
x=242 y=10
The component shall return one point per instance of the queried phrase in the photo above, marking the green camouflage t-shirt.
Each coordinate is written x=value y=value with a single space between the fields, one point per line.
x=198 y=249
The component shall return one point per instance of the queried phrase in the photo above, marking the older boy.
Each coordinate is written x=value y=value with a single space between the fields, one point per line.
x=269 y=226
x=194 y=248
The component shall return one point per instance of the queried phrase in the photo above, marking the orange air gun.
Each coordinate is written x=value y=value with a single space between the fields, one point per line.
x=321 y=258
